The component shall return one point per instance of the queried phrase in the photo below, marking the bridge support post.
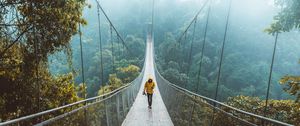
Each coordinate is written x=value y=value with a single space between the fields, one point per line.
x=106 y=113
x=131 y=96
x=123 y=103
x=85 y=115
x=128 y=98
x=193 y=109
x=118 y=109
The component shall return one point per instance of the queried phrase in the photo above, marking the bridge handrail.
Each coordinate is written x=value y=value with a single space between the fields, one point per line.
x=115 y=92
x=187 y=92
x=102 y=97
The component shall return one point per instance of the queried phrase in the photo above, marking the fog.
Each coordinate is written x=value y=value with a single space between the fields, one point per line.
x=248 y=49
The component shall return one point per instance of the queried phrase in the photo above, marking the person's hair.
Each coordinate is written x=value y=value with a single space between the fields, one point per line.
x=150 y=80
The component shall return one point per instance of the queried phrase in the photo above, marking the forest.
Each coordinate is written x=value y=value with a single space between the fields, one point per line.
x=246 y=60
x=51 y=53
x=41 y=62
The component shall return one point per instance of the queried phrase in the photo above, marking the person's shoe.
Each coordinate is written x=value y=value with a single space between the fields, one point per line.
x=150 y=107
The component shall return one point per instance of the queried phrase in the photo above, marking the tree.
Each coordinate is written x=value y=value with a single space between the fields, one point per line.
x=128 y=74
x=292 y=85
x=169 y=50
x=283 y=110
x=136 y=46
x=35 y=30
x=175 y=77
x=113 y=83
x=288 y=18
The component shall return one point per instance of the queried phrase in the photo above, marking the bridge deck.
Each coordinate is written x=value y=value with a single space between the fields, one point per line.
x=139 y=114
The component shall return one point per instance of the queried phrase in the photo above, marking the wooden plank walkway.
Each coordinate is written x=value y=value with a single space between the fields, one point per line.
x=140 y=114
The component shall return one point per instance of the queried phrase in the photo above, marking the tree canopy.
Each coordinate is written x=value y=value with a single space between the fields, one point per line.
x=32 y=30
x=288 y=18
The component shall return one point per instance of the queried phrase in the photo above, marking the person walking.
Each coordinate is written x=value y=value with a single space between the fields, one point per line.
x=148 y=88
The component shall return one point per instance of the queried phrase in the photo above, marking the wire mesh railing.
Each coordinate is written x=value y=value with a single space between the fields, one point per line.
x=188 y=108
x=105 y=110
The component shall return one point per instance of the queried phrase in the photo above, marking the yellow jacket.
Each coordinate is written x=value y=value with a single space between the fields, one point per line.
x=149 y=87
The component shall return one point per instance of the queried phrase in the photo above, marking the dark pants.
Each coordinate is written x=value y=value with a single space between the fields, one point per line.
x=149 y=99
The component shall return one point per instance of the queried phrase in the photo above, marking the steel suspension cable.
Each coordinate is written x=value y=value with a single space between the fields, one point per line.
x=182 y=66
x=118 y=46
x=152 y=19
x=100 y=50
x=202 y=7
x=189 y=64
x=189 y=55
x=221 y=58
x=182 y=52
x=81 y=58
x=202 y=49
x=112 y=50
x=113 y=27
x=117 y=49
x=35 y=46
x=123 y=46
x=191 y=50
x=184 y=34
x=82 y=71
x=100 y=46
x=37 y=69
x=222 y=50
x=270 y=73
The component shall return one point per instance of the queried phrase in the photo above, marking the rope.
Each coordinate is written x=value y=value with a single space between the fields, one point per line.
x=270 y=74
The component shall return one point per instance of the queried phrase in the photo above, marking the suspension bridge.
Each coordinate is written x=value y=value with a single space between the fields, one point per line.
x=126 y=106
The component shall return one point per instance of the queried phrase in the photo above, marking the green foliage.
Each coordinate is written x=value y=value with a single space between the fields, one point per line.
x=128 y=74
x=287 y=19
x=49 y=23
x=114 y=80
x=40 y=28
x=244 y=71
x=21 y=96
x=180 y=108
x=174 y=76
x=113 y=83
x=136 y=46
x=124 y=75
x=246 y=61
x=283 y=110
x=170 y=46
x=292 y=85
x=81 y=89
x=92 y=58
